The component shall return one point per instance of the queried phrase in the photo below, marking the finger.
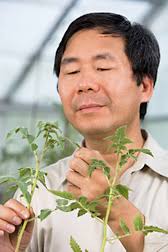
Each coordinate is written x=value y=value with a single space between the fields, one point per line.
x=74 y=190
x=80 y=166
x=75 y=178
x=87 y=155
x=9 y=215
x=7 y=227
x=18 y=208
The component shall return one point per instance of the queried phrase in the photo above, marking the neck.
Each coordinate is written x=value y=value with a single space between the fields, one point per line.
x=100 y=144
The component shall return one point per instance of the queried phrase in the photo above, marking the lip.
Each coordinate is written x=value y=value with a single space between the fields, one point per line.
x=90 y=107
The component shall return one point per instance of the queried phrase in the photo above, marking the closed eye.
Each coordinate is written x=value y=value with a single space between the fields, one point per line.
x=73 y=72
x=103 y=69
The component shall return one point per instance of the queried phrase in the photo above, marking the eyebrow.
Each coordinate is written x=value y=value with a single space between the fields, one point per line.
x=102 y=56
x=69 y=60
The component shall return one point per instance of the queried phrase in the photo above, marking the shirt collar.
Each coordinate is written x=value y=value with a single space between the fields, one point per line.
x=158 y=163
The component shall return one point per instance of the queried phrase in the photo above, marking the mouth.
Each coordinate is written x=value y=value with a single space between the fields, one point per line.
x=90 y=108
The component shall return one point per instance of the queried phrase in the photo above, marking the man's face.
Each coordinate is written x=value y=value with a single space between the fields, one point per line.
x=96 y=84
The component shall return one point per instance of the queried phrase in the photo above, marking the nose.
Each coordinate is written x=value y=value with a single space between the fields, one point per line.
x=88 y=84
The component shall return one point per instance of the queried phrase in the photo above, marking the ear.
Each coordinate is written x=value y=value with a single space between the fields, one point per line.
x=146 y=88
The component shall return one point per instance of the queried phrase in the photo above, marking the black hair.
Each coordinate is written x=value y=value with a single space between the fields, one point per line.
x=141 y=46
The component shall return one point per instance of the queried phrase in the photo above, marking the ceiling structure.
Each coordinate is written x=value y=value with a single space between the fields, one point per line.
x=30 y=31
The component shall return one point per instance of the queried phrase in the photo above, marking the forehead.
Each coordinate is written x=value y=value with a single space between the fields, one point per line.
x=87 y=42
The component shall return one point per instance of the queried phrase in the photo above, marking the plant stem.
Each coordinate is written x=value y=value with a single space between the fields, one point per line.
x=106 y=221
x=21 y=235
x=23 y=227
x=110 y=201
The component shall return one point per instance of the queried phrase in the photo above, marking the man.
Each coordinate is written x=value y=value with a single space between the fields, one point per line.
x=107 y=69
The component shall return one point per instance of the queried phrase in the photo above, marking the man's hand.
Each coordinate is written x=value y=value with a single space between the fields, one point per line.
x=79 y=183
x=12 y=213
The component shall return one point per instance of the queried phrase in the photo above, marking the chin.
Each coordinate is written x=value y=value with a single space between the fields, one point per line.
x=94 y=131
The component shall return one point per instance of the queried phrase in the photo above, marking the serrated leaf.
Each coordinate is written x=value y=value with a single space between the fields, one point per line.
x=62 y=202
x=65 y=208
x=44 y=213
x=25 y=172
x=64 y=194
x=123 y=190
x=92 y=206
x=34 y=147
x=124 y=227
x=81 y=212
x=4 y=179
x=146 y=151
x=74 y=205
x=74 y=245
x=41 y=177
x=106 y=171
x=24 y=189
x=82 y=200
x=138 y=223
x=10 y=133
x=149 y=229
x=23 y=131
x=12 y=188
x=30 y=138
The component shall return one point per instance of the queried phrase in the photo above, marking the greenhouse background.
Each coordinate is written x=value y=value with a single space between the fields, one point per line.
x=30 y=31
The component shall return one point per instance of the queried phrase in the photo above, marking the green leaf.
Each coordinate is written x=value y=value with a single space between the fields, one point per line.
x=92 y=206
x=23 y=131
x=41 y=177
x=124 y=227
x=62 y=202
x=30 y=138
x=74 y=205
x=74 y=245
x=106 y=171
x=149 y=229
x=81 y=212
x=24 y=189
x=146 y=151
x=83 y=200
x=44 y=213
x=24 y=171
x=138 y=223
x=123 y=160
x=10 y=133
x=64 y=194
x=123 y=190
x=34 y=147
x=4 y=179
x=65 y=208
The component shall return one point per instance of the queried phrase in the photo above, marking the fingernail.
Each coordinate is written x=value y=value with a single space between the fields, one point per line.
x=10 y=228
x=1 y=233
x=25 y=214
x=16 y=220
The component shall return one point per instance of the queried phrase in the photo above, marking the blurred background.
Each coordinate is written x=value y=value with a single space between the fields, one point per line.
x=30 y=31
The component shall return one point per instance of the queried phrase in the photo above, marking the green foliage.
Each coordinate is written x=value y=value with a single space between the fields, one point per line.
x=44 y=213
x=124 y=227
x=98 y=164
x=119 y=140
x=150 y=229
x=74 y=245
x=28 y=179
x=64 y=195
x=138 y=223
x=123 y=190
